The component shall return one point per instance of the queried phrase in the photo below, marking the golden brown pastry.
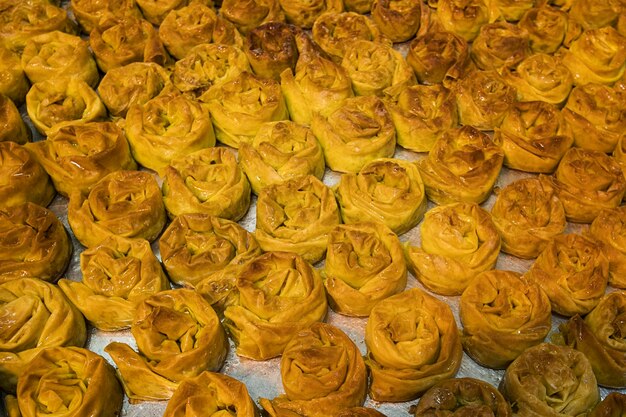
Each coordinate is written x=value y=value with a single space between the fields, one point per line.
x=355 y=134
x=322 y=372
x=13 y=82
x=548 y=28
x=59 y=102
x=167 y=127
x=613 y=405
x=503 y=314
x=597 y=114
x=573 y=271
x=528 y=214
x=463 y=396
x=364 y=264
x=178 y=336
x=130 y=40
x=303 y=13
x=156 y=10
x=77 y=156
x=360 y=412
x=124 y=203
x=412 y=343
x=296 y=216
x=439 y=56
x=193 y=25
x=211 y=394
x=281 y=151
x=500 y=44
x=421 y=114
x=609 y=229
x=619 y=153
x=67 y=382
x=595 y=14
x=386 y=190
x=462 y=17
x=400 y=20
x=463 y=165
x=33 y=243
x=240 y=107
x=12 y=126
x=512 y=10
x=248 y=14
x=459 y=241
x=279 y=294
x=117 y=275
x=102 y=14
x=534 y=136
x=549 y=381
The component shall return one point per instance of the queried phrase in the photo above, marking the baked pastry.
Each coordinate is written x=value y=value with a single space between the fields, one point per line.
x=462 y=17
x=22 y=178
x=12 y=126
x=167 y=127
x=59 y=102
x=400 y=20
x=210 y=394
x=196 y=24
x=281 y=151
x=77 y=156
x=463 y=165
x=613 y=405
x=124 y=203
x=57 y=54
x=459 y=241
x=573 y=271
x=534 y=136
x=155 y=11
x=599 y=337
x=81 y=381
x=364 y=264
x=500 y=44
x=322 y=372
x=358 y=6
x=609 y=229
x=386 y=190
x=463 y=396
x=358 y=132
x=297 y=216
x=278 y=295
x=595 y=14
x=303 y=13
x=360 y=412
x=96 y=13
x=117 y=275
x=548 y=28
x=511 y=10
x=240 y=106
x=248 y=14
x=178 y=336
x=421 y=114
x=35 y=316
x=13 y=82
x=33 y=243
x=549 y=380
x=412 y=344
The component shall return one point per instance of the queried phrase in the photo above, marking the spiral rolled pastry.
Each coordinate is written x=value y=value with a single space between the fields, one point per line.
x=124 y=203
x=92 y=14
x=155 y=11
x=178 y=336
x=595 y=14
x=547 y=28
x=33 y=243
x=500 y=44
x=193 y=25
x=599 y=336
x=463 y=396
x=12 y=126
x=609 y=229
x=240 y=107
x=587 y=182
x=207 y=181
x=463 y=17
x=412 y=343
x=390 y=191
x=573 y=271
x=459 y=241
x=207 y=65
x=549 y=381
x=597 y=114
x=421 y=114
x=439 y=56
x=336 y=32
x=534 y=136
x=463 y=165
x=130 y=40
x=597 y=56
x=59 y=102
x=22 y=178
x=399 y=20
x=57 y=54
x=167 y=127
x=613 y=405
x=365 y=264
x=77 y=156
x=67 y=382
x=279 y=294
x=281 y=151
x=13 y=82
x=528 y=214
x=117 y=275
x=297 y=216
x=318 y=85
x=304 y=13
x=248 y=14
x=322 y=372
x=512 y=10
x=212 y=395
x=358 y=132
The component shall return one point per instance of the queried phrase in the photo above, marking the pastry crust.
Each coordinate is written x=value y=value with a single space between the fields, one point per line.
x=400 y=20
x=500 y=44
x=248 y=14
x=609 y=228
